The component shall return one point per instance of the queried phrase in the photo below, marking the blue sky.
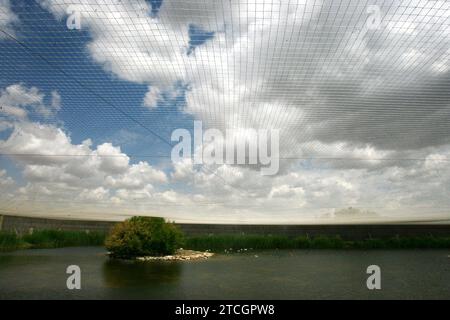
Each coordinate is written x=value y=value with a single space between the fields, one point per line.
x=83 y=111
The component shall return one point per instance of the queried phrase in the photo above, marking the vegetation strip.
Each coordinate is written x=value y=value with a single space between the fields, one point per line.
x=219 y=243
x=43 y=239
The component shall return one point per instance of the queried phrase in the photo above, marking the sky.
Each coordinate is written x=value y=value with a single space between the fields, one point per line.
x=359 y=91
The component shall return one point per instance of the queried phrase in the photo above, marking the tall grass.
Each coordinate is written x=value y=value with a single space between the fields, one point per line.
x=10 y=241
x=260 y=242
x=59 y=238
x=50 y=239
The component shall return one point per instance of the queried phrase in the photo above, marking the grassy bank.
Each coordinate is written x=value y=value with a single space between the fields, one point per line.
x=50 y=239
x=220 y=243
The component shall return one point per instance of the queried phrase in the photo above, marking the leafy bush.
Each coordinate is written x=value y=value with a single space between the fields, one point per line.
x=143 y=236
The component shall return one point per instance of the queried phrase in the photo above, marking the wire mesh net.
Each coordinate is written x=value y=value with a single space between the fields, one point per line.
x=91 y=92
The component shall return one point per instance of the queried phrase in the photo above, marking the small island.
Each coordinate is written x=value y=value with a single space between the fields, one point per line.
x=148 y=239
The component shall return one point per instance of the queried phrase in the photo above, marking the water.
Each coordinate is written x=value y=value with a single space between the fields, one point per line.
x=284 y=274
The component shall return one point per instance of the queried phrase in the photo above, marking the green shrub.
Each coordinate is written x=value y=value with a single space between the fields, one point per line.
x=143 y=236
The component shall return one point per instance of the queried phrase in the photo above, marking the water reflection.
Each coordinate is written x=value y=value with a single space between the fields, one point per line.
x=281 y=274
x=122 y=273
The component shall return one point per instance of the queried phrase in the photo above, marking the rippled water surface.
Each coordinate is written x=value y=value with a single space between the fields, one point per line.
x=284 y=274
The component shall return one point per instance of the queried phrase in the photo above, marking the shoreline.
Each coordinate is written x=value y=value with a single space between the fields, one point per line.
x=180 y=255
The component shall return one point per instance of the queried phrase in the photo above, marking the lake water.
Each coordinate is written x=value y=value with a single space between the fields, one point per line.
x=278 y=274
